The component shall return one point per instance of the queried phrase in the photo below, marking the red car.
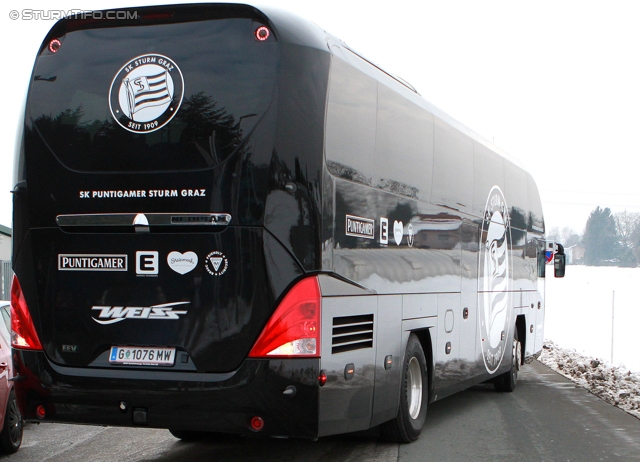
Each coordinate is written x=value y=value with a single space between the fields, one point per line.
x=12 y=424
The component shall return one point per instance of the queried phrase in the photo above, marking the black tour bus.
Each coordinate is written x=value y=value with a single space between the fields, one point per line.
x=226 y=220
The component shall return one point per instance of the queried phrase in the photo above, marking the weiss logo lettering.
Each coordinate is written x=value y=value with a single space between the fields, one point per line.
x=113 y=314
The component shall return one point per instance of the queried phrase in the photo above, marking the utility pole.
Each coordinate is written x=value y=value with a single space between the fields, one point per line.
x=613 y=307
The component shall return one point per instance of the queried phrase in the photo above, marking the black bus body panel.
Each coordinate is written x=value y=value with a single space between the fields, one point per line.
x=417 y=202
x=207 y=402
x=213 y=319
x=234 y=145
x=326 y=165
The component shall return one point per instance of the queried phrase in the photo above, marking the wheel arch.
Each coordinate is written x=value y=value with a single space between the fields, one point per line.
x=424 y=336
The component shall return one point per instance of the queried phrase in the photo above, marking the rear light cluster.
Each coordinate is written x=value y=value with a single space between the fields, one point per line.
x=294 y=328
x=23 y=332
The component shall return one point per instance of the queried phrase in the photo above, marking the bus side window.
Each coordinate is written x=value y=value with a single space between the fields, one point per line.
x=542 y=261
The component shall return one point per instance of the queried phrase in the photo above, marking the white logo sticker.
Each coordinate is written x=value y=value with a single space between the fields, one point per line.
x=146 y=93
x=359 y=227
x=113 y=314
x=216 y=263
x=397 y=231
x=494 y=269
x=91 y=262
x=182 y=262
x=146 y=263
x=384 y=230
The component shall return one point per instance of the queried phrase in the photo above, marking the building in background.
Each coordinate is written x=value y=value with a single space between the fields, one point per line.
x=5 y=261
x=575 y=254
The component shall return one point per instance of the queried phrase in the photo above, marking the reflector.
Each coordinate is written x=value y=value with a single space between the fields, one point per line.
x=54 y=45
x=257 y=423
x=262 y=33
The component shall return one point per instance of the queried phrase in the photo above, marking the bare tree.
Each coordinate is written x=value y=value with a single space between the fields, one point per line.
x=554 y=234
x=628 y=229
x=569 y=237
x=635 y=242
x=626 y=224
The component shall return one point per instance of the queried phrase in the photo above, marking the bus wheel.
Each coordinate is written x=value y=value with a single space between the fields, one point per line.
x=412 y=411
x=507 y=381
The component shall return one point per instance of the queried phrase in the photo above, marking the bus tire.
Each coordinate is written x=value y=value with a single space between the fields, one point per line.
x=507 y=382
x=414 y=396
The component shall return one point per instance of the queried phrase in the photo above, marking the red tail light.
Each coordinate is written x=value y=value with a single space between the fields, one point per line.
x=23 y=332
x=294 y=328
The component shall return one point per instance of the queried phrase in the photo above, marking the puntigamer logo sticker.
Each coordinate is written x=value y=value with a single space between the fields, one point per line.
x=146 y=93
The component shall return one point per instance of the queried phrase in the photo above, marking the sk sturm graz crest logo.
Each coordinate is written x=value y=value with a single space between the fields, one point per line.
x=146 y=93
x=493 y=282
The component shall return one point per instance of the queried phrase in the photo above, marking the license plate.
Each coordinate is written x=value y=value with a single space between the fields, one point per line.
x=142 y=356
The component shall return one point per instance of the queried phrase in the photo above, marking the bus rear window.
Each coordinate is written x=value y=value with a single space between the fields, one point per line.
x=179 y=96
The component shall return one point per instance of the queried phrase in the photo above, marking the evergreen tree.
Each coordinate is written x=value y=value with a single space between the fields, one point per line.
x=600 y=238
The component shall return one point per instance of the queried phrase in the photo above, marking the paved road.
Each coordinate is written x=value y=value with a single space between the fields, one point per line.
x=546 y=419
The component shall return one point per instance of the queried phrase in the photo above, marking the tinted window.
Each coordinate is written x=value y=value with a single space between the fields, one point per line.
x=375 y=134
x=452 y=167
x=351 y=122
x=404 y=143
x=101 y=101
x=489 y=172
x=516 y=194
x=536 y=221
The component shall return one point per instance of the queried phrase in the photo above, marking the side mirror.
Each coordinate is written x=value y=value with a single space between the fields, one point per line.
x=559 y=263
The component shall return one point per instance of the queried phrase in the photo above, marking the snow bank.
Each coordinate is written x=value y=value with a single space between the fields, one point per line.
x=614 y=384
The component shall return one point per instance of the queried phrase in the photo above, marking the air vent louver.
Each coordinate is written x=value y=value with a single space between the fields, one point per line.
x=352 y=333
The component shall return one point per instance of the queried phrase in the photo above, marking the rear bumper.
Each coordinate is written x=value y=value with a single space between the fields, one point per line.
x=177 y=400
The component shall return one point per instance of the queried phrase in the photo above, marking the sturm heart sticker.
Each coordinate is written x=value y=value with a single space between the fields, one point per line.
x=397 y=231
x=182 y=262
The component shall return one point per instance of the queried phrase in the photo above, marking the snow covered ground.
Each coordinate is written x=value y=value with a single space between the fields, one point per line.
x=578 y=332
x=579 y=312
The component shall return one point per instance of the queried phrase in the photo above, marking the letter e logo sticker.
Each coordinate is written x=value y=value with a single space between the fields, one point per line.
x=146 y=263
